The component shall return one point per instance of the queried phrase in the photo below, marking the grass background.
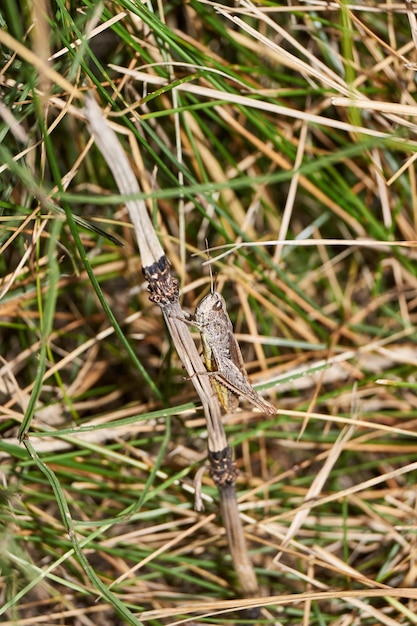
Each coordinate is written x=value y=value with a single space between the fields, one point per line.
x=234 y=136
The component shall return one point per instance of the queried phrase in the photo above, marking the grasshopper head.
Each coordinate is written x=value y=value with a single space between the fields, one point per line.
x=209 y=307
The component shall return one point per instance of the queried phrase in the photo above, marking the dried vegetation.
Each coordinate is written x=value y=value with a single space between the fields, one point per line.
x=249 y=125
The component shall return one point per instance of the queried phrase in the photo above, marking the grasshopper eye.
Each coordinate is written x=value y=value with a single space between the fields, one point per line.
x=218 y=306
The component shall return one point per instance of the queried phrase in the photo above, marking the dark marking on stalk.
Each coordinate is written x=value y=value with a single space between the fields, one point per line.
x=162 y=286
x=222 y=468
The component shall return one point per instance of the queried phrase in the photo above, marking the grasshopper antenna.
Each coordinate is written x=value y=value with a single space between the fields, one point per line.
x=212 y=280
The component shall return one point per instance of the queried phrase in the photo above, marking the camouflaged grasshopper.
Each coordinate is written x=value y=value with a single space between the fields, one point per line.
x=222 y=355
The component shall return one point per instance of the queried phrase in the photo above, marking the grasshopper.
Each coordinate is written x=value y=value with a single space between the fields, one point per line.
x=222 y=355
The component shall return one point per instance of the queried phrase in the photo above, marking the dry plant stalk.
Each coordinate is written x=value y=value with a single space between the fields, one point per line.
x=163 y=288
